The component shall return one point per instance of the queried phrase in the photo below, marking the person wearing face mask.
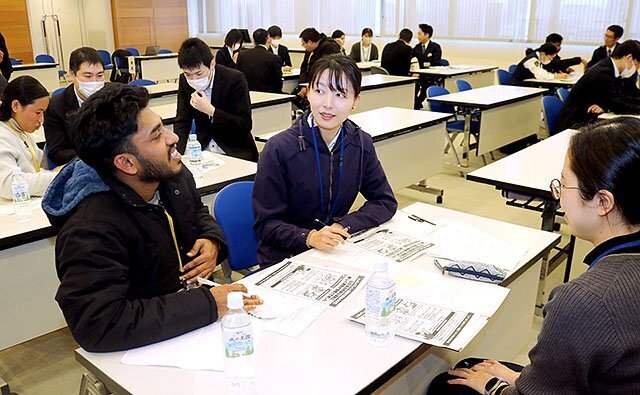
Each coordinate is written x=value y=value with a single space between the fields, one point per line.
x=217 y=99
x=532 y=65
x=87 y=72
x=275 y=46
x=228 y=55
x=311 y=173
x=601 y=89
x=22 y=107
x=339 y=37
x=364 y=50
x=611 y=38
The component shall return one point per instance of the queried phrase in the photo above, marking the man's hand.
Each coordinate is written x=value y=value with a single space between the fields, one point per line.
x=220 y=295
x=475 y=380
x=560 y=76
x=205 y=252
x=595 y=109
x=1 y=56
x=200 y=102
x=303 y=92
x=497 y=369
x=328 y=237
x=235 y=57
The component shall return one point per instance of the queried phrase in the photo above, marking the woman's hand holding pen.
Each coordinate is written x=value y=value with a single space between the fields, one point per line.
x=329 y=237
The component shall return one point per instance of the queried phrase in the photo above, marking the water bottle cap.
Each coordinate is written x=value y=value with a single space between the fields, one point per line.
x=380 y=266
x=16 y=170
x=193 y=137
x=234 y=300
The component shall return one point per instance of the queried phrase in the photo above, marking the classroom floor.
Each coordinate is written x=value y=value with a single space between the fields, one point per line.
x=46 y=365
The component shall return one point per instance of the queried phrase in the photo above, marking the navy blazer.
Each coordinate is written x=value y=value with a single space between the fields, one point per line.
x=431 y=55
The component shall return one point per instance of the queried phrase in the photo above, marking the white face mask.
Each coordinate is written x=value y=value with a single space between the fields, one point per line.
x=275 y=43
x=629 y=71
x=545 y=61
x=236 y=47
x=200 y=84
x=90 y=87
x=367 y=40
x=339 y=41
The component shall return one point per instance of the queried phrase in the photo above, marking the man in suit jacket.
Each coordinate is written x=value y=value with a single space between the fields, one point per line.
x=316 y=45
x=5 y=63
x=558 y=65
x=261 y=68
x=426 y=51
x=601 y=89
x=87 y=72
x=396 y=56
x=611 y=38
x=217 y=99
x=364 y=47
x=275 y=34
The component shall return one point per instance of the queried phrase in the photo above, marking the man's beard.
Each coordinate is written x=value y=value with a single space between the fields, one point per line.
x=153 y=172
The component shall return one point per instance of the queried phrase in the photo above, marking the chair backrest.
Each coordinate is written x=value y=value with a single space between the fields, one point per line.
x=463 y=85
x=44 y=58
x=49 y=165
x=512 y=68
x=551 y=106
x=503 y=77
x=234 y=213
x=563 y=93
x=379 y=70
x=161 y=51
x=142 y=82
x=58 y=91
x=444 y=62
x=134 y=51
x=104 y=55
x=14 y=62
x=434 y=91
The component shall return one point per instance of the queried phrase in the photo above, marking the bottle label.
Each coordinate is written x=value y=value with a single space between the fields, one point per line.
x=381 y=302
x=238 y=344
x=20 y=194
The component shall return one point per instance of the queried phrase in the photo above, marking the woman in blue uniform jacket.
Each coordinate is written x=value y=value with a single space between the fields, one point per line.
x=310 y=174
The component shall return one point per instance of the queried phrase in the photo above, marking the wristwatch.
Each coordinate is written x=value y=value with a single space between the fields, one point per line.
x=493 y=384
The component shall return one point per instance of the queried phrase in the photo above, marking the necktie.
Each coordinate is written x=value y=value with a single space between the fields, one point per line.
x=609 y=52
x=424 y=48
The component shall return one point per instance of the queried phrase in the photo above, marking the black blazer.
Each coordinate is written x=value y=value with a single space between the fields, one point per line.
x=599 y=54
x=355 y=52
x=57 y=127
x=431 y=55
x=396 y=58
x=223 y=58
x=558 y=65
x=597 y=86
x=522 y=73
x=326 y=46
x=5 y=66
x=262 y=69
x=283 y=53
x=231 y=124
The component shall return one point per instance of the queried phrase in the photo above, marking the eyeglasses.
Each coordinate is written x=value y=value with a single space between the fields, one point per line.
x=556 y=188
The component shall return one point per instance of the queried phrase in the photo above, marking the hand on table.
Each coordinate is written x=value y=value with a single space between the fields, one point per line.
x=496 y=369
x=328 y=237
x=220 y=295
x=474 y=380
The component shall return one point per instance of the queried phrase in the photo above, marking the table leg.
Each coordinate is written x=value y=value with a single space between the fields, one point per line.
x=548 y=219
x=466 y=139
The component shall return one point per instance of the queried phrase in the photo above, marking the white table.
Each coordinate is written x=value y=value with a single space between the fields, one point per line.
x=333 y=357
x=46 y=73
x=555 y=83
x=156 y=67
x=507 y=114
x=290 y=80
x=446 y=76
x=28 y=280
x=163 y=93
x=270 y=112
x=528 y=173
x=610 y=115
x=380 y=90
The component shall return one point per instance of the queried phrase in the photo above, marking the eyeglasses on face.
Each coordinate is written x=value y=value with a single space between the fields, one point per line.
x=556 y=188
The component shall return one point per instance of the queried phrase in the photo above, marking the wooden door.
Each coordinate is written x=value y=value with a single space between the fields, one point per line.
x=14 y=26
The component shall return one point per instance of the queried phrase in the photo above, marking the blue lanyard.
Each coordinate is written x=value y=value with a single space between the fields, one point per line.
x=614 y=249
x=332 y=207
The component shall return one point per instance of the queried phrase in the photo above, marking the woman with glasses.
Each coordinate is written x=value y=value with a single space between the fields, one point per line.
x=590 y=337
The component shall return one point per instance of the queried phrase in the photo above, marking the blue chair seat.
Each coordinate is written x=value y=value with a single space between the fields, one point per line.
x=142 y=82
x=458 y=126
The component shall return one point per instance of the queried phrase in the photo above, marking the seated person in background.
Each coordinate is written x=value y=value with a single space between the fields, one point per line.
x=428 y=54
x=396 y=56
x=228 y=54
x=298 y=165
x=339 y=37
x=557 y=64
x=532 y=65
x=317 y=45
x=87 y=73
x=601 y=89
x=133 y=232
x=3 y=83
x=611 y=37
x=275 y=34
x=5 y=62
x=217 y=99
x=261 y=68
x=22 y=107
x=590 y=337
x=364 y=50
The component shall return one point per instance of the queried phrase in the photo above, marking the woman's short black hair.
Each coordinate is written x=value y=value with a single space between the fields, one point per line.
x=25 y=90
x=105 y=123
x=367 y=32
x=548 y=49
x=339 y=67
x=274 y=31
x=606 y=155
x=194 y=52
x=337 y=34
x=233 y=37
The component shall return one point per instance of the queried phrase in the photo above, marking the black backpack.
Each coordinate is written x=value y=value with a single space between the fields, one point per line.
x=120 y=61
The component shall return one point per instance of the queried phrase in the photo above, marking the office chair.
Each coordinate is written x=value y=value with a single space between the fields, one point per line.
x=142 y=82
x=444 y=62
x=134 y=51
x=106 y=59
x=234 y=213
x=45 y=58
x=164 y=51
x=503 y=77
x=551 y=107
x=463 y=85
x=379 y=70
x=563 y=93
x=58 y=91
x=512 y=68
x=14 y=61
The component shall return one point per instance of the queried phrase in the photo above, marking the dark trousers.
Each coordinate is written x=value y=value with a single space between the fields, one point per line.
x=439 y=385
x=422 y=84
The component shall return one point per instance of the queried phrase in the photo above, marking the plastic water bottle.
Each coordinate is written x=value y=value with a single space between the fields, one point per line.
x=237 y=338
x=21 y=196
x=194 y=154
x=380 y=303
